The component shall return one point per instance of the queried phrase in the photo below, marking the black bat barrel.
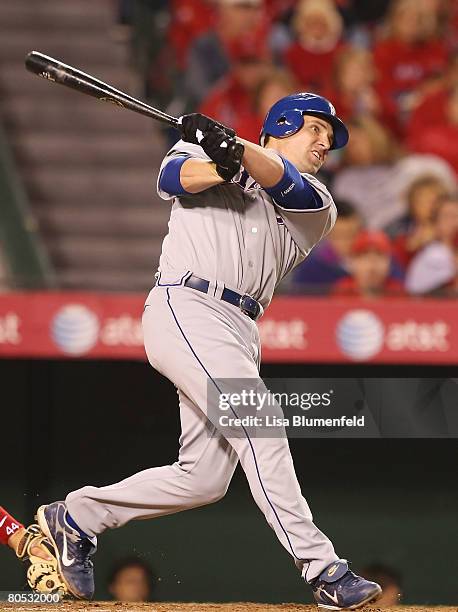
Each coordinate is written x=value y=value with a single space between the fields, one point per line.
x=56 y=71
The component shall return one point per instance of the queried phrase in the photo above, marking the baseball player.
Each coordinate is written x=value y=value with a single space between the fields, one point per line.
x=243 y=216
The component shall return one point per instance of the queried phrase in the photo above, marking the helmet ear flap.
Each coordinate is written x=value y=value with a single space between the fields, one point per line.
x=287 y=124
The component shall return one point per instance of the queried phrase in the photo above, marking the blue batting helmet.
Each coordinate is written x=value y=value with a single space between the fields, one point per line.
x=286 y=117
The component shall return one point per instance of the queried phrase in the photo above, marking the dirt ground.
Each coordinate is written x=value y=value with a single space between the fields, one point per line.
x=74 y=606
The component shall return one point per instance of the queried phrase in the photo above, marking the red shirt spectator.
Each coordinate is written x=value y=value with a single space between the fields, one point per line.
x=437 y=133
x=410 y=57
x=352 y=90
x=370 y=268
x=441 y=140
x=430 y=111
x=403 y=66
x=231 y=101
x=311 y=69
x=318 y=28
x=237 y=23
x=189 y=19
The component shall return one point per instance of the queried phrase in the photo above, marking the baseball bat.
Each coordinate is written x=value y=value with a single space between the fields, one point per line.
x=58 y=72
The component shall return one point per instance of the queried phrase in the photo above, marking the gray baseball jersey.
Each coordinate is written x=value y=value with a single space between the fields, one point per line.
x=232 y=235
x=235 y=233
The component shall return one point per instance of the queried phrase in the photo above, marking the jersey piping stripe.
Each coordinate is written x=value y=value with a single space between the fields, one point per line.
x=178 y=284
x=244 y=429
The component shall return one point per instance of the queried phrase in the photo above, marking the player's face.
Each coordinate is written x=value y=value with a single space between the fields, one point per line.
x=308 y=148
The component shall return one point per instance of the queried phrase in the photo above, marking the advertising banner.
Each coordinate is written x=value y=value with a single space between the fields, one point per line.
x=294 y=329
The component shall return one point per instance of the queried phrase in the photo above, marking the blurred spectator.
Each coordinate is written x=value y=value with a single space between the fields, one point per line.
x=280 y=13
x=318 y=28
x=416 y=229
x=210 y=54
x=276 y=84
x=329 y=260
x=131 y=579
x=411 y=56
x=243 y=99
x=369 y=265
x=189 y=19
x=434 y=271
x=432 y=108
x=440 y=137
x=231 y=101
x=390 y=581
x=376 y=176
x=352 y=88
x=150 y=53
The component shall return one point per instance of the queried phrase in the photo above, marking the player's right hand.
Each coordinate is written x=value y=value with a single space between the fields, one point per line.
x=195 y=126
x=225 y=151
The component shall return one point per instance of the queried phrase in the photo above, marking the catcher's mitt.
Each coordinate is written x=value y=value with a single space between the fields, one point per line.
x=43 y=574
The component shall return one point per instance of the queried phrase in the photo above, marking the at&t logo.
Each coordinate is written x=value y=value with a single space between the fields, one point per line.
x=360 y=334
x=75 y=329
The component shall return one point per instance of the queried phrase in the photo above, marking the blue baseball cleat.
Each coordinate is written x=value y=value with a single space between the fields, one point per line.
x=337 y=588
x=72 y=551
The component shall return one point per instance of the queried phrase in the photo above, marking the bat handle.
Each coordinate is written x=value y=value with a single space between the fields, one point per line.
x=174 y=122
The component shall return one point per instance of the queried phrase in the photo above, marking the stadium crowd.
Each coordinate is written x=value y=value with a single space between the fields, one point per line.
x=391 y=70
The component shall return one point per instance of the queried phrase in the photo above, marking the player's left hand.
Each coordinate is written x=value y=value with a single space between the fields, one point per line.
x=224 y=150
x=194 y=126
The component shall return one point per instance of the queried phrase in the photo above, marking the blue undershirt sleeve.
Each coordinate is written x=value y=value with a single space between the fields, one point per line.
x=169 y=181
x=293 y=191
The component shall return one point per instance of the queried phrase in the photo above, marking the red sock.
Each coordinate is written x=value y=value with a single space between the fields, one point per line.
x=8 y=526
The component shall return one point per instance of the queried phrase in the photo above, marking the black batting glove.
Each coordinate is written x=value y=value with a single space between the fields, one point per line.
x=194 y=126
x=224 y=150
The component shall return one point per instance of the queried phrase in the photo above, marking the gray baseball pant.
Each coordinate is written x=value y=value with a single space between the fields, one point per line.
x=191 y=337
